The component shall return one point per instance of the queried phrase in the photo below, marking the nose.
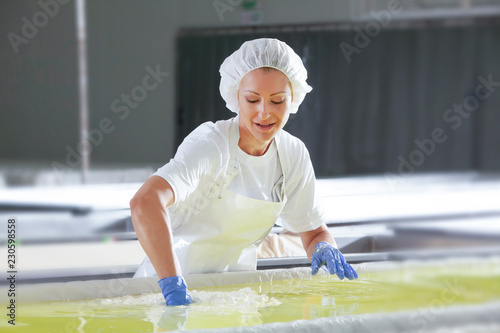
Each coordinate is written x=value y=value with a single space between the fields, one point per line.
x=263 y=112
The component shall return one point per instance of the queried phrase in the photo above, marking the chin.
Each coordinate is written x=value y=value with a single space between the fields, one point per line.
x=265 y=137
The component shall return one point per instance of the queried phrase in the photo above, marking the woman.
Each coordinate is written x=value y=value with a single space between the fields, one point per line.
x=209 y=208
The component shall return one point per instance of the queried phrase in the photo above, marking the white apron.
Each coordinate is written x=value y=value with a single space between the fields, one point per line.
x=224 y=235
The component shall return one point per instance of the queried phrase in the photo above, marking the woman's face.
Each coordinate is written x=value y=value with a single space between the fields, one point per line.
x=264 y=98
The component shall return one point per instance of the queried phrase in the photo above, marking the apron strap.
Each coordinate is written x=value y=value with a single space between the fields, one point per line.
x=277 y=139
x=234 y=137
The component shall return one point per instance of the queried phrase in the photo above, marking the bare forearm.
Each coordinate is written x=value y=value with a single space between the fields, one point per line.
x=311 y=238
x=152 y=227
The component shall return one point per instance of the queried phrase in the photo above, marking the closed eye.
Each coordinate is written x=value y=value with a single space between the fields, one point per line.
x=279 y=101
x=254 y=101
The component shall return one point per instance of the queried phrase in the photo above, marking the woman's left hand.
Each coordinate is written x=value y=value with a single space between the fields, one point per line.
x=326 y=255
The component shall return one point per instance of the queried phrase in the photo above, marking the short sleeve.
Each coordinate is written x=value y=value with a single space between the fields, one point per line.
x=303 y=210
x=194 y=166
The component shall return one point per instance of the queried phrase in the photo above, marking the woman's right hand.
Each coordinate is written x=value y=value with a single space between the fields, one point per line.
x=174 y=289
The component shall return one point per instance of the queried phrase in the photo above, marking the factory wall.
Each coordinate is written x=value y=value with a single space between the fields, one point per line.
x=131 y=108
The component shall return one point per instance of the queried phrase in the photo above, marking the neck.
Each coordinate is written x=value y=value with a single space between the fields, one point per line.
x=254 y=149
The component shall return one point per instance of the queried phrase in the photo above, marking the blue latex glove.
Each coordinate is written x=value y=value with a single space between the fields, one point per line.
x=325 y=254
x=174 y=289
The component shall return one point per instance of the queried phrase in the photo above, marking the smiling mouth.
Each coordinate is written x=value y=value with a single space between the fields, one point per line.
x=265 y=126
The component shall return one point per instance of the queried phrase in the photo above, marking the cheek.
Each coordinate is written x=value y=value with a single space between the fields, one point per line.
x=246 y=114
x=283 y=111
x=242 y=106
x=285 y=114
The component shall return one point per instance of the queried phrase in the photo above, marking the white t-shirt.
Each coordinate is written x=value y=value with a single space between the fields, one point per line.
x=200 y=163
x=257 y=175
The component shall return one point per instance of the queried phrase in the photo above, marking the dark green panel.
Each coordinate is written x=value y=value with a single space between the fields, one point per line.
x=378 y=112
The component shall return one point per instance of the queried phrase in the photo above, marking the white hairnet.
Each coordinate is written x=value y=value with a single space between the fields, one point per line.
x=263 y=52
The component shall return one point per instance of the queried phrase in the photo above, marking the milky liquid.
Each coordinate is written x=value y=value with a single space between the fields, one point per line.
x=268 y=302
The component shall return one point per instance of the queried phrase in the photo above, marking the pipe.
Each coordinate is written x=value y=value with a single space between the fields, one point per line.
x=83 y=107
